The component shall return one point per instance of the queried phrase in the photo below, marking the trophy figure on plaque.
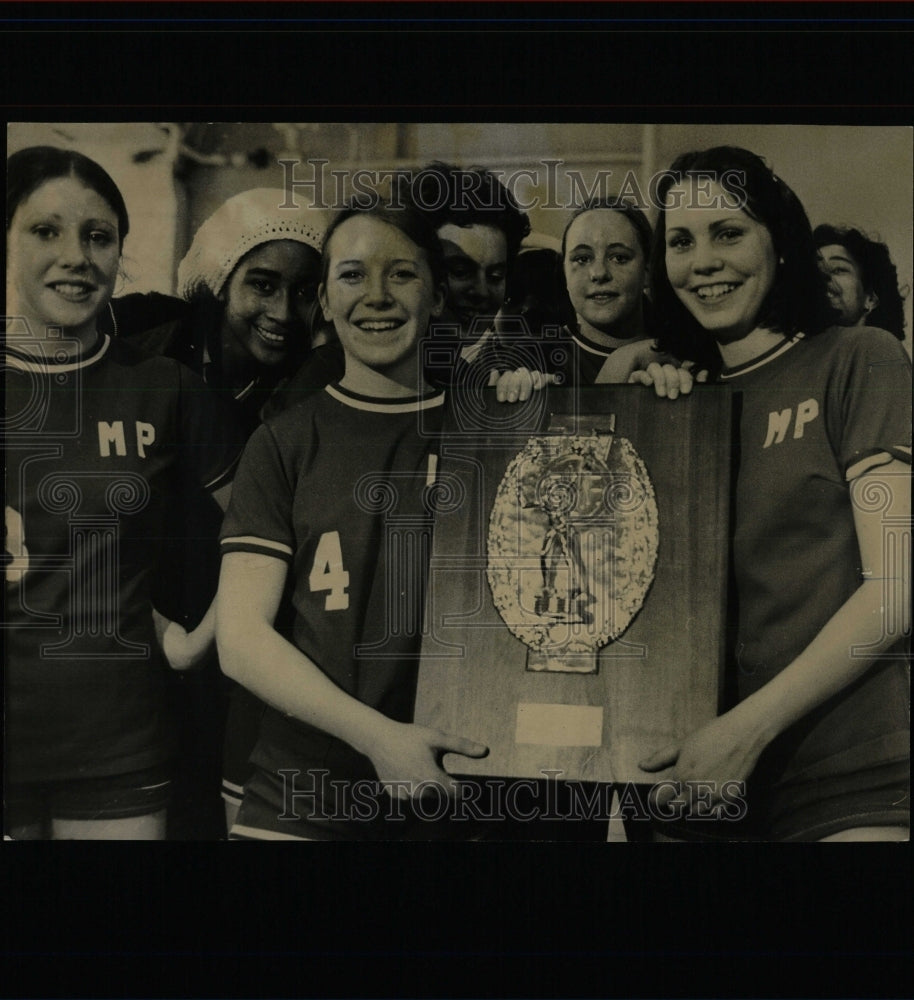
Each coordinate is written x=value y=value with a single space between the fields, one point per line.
x=572 y=545
x=564 y=595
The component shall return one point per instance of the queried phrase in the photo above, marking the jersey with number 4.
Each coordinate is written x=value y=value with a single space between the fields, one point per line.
x=94 y=448
x=338 y=488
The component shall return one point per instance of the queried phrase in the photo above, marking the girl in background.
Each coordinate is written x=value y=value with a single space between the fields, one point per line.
x=862 y=279
x=605 y=250
x=250 y=282
x=607 y=336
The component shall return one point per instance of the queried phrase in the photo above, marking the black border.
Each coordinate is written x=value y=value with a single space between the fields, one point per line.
x=458 y=920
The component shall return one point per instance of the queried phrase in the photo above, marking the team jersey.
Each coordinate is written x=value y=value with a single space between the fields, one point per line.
x=338 y=487
x=582 y=360
x=817 y=413
x=323 y=366
x=95 y=450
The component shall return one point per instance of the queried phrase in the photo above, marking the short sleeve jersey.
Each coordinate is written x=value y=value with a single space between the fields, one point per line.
x=188 y=572
x=583 y=361
x=94 y=451
x=816 y=413
x=338 y=488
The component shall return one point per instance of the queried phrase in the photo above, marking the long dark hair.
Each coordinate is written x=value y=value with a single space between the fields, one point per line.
x=28 y=169
x=797 y=301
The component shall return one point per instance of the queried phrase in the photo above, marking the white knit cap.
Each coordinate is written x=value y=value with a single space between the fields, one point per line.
x=245 y=221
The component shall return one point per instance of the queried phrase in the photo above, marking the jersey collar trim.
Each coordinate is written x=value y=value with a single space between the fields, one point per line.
x=374 y=405
x=763 y=359
x=590 y=346
x=29 y=363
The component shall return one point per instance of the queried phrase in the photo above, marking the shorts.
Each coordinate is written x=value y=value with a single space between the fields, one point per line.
x=242 y=730
x=878 y=796
x=118 y=796
x=362 y=812
x=810 y=810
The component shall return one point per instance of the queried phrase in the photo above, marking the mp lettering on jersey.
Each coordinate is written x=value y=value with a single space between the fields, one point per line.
x=113 y=434
x=779 y=422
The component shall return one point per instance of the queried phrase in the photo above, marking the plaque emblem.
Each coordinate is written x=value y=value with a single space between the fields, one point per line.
x=572 y=544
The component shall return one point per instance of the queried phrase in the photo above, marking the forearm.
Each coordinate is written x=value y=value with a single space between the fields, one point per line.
x=869 y=623
x=728 y=747
x=253 y=653
x=873 y=618
x=844 y=650
x=260 y=659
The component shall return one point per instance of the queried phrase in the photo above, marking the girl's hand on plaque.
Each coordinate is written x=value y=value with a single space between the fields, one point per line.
x=708 y=765
x=409 y=759
x=668 y=380
x=516 y=386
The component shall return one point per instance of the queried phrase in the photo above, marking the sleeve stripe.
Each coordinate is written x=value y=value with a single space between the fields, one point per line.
x=250 y=543
x=875 y=459
x=239 y=832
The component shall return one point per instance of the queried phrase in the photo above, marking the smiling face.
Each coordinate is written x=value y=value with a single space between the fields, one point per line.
x=720 y=262
x=267 y=299
x=63 y=252
x=604 y=269
x=845 y=285
x=476 y=258
x=380 y=295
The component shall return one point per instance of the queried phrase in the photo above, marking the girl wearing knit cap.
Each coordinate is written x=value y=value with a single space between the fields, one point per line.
x=250 y=278
x=250 y=281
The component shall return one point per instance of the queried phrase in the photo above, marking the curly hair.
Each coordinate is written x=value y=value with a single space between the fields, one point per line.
x=473 y=196
x=877 y=274
x=797 y=300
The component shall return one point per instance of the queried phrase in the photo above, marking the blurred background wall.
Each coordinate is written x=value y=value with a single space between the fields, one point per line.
x=174 y=174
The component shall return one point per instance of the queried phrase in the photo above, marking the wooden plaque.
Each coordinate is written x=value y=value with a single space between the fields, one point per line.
x=576 y=600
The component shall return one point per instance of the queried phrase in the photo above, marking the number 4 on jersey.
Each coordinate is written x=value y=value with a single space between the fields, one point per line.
x=327 y=573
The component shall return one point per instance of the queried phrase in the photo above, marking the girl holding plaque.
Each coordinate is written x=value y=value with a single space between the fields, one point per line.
x=326 y=493
x=819 y=728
